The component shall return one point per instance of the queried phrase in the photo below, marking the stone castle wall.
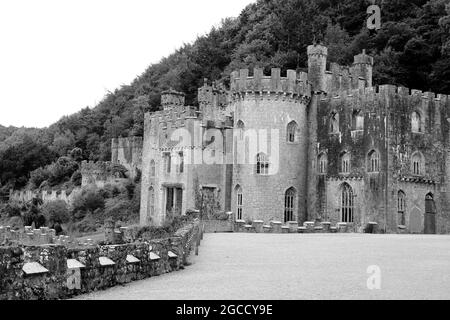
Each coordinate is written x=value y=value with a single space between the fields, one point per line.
x=57 y=272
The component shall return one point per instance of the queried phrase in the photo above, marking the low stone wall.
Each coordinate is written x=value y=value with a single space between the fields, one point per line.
x=214 y=226
x=258 y=226
x=55 y=271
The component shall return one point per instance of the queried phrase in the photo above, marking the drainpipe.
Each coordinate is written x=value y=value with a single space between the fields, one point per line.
x=386 y=143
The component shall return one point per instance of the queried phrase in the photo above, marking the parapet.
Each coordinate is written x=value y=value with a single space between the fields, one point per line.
x=133 y=141
x=294 y=83
x=363 y=58
x=171 y=98
x=317 y=50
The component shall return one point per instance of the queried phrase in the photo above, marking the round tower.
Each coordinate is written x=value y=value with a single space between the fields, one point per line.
x=269 y=145
x=363 y=67
x=317 y=64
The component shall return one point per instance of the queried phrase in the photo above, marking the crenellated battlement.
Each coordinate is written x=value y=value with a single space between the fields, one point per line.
x=382 y=91
x=122 y=142
x=294 y=83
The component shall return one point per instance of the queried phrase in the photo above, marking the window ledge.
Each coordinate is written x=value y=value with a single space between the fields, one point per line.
x=293 y=143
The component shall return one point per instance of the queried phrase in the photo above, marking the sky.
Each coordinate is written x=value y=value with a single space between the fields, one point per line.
x=59 y=56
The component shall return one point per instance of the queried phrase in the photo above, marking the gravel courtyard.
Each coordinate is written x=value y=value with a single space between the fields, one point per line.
x=302 y=266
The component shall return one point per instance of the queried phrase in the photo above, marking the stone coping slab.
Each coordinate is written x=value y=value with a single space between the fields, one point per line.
x=132 y=259
x=154 y=256
x=172 y=255
x=104 y=261
x=74 y=264
x=33 y=268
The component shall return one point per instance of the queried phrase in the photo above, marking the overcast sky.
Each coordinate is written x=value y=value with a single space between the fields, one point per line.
x=59 y=56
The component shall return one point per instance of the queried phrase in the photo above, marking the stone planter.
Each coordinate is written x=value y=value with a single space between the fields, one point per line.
x=258 y=225
x=276 y=226
x=318 y=229
x=249 y=228
x=326 y=226
x=309 y=226
x=239 y=226
x=293 y=226
x=284 y=229
x=342 y=227
x=402 y=229
x=267 y=229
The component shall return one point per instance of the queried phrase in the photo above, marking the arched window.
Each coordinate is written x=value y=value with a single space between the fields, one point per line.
x=334 y=123
x=345 y=162
x=262 y=164
x=152 y=169
x=401 y=208
x=151 y=201
x=347 y=203
x=289 y=198
x=241 y=128
x=322 y=163
x=416 y=122
x=417 y=164
x=239 y=203
x=374 y=161
x=357 y=120
x=292 y=131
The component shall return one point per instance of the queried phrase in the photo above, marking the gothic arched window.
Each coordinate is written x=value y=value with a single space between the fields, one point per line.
x=151 y=201
x=322 y=163
x=401 y=208
x=374 y=161
x=345 y=162
x=262 y=164
x=289 y=200
x=417 y=164
x=239 y=203
x=357 y=120
x=152 y=169
x=416 y=123
x=292 y=131
x=240 y=129
x=347 y=203
x=334 y=123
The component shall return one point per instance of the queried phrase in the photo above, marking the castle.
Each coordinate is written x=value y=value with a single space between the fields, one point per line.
x=326 y=145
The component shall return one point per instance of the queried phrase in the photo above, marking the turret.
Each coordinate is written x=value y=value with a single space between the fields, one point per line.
x=317 y=63
x=363 y=67
x=172 y=99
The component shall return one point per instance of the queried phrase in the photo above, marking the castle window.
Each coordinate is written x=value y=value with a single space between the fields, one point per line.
x=181 y=162
x=345 y=162
x=357 y=120
x=151 y=200
x=167 y=161
x=262 y=164
x=347 y=203
x=334 y=123
x=416 y=123
x=322 y=163
x=401 y=206
x=417 y=164
x=239 y=203
x=241 y=128
x=292 y=132
x=152 y=169
x=374 y=161
x=289 y=198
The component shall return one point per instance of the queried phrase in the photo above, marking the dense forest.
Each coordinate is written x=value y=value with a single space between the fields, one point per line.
x=411 y=49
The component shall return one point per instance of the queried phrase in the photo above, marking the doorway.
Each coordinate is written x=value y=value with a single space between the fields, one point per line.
x=430 y=215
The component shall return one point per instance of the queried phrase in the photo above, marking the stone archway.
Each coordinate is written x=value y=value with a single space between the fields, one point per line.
x=415 y=221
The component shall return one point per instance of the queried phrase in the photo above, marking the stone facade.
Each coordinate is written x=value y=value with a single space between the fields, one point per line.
x=326 y=145
x=127 y=152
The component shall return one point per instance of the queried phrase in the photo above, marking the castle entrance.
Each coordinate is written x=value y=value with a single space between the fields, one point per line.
x=174 y=200
x=430 y=215
x=415 y=221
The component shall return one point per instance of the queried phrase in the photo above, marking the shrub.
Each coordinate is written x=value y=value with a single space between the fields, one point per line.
x=38 y=176
x=11 y=209
x=76 y=178
x=56 y=212
x=88 y=201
